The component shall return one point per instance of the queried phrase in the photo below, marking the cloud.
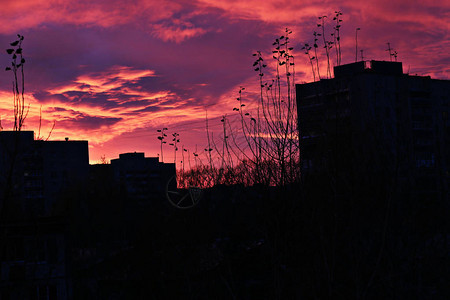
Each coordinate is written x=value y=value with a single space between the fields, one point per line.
x=287 y=12
x=110 y=88
x=88 y=123
x=176 y=33
x=112 y=79
x=113 y=71
x=267 y=11
x=99 y=106
x=24 y=14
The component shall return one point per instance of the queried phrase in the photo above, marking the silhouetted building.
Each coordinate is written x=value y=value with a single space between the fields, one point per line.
x=120 y=218
x=35 y=179
x=142 y=178
x=33 y=260
x=36 y=173
x=373 y=120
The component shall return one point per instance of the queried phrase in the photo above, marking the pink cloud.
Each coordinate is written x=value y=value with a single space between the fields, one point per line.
x=24 y=14
x=105 y=81
x=147 y=64
x=177 y=32
x=268 y=11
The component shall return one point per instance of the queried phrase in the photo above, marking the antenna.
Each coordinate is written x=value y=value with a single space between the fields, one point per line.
x=390 y=51
x=356 y=43
x=395 y=55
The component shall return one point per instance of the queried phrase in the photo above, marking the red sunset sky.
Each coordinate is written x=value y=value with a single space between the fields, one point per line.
x=113 y=71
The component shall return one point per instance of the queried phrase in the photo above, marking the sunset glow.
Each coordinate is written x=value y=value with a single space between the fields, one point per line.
x=114 y=72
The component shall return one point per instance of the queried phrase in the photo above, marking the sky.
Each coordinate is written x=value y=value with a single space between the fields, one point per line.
x=113 y=72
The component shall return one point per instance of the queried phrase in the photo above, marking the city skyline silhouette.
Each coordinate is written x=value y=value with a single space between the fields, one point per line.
x=224 y=150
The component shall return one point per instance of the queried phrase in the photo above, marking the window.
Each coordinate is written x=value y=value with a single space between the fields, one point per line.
x=425 y=160
x=44 y=292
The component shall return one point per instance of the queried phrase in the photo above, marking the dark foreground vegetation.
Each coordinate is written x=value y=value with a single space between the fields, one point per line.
x=260 y=242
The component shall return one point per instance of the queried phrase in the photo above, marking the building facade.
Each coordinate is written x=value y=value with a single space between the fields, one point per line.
x=373 y=119
x=35 y=178
x=35 y=173
x=142 y=178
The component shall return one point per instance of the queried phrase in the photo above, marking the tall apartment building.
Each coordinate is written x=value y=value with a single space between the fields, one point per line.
x=373 y=120
x=35 y=175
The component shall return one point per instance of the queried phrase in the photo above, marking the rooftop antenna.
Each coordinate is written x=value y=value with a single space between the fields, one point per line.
x=362 y=54
x=356 y=42
x=390 y=51
x=395 y=55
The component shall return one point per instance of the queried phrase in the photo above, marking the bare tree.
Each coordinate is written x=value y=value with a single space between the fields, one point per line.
x=17 y=63
x=271 y=136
